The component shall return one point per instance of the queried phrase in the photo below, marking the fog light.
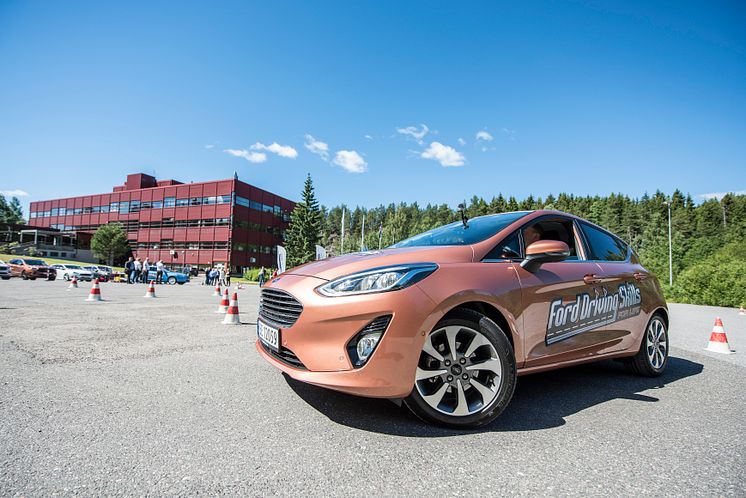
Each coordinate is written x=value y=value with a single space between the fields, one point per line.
x=366 y=345
x=362 y=346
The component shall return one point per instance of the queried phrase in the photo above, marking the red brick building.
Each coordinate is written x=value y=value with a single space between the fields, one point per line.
x=197 y=224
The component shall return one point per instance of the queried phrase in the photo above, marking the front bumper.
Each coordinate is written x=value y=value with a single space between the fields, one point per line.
x=320 y=335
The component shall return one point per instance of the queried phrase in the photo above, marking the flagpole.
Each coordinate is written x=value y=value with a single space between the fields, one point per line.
x=362 y=235
x=342 y=243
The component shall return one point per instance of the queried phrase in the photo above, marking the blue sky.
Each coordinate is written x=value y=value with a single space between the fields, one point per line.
x=404 y=101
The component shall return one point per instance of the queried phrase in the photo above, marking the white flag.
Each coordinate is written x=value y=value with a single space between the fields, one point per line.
x=281 y=259
x=320 y=253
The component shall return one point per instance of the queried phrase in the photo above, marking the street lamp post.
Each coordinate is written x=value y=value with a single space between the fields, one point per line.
x=670 y=247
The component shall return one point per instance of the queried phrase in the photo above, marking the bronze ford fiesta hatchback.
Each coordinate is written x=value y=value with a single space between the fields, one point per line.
x=447 y=319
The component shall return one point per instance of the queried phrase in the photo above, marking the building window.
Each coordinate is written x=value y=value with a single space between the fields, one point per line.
x=182 y=202
x=114 y=207
x=124 y=207
x=157 y=205
x=169 y=202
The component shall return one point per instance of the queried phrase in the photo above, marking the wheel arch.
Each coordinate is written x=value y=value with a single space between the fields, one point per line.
x=491 y=312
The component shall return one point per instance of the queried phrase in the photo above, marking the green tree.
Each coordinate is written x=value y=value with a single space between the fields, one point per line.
x=11 y=212
x=109 y=242
x=305 y=228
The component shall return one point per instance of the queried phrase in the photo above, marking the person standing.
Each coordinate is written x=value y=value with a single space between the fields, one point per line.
x=261 y=277
x=145 y=270
x=221 y=276
x=129 y=267
x=207 y=276
x=159 y=272
x=138 y=271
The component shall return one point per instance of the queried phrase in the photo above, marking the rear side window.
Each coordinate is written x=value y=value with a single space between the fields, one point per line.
x=603 y=246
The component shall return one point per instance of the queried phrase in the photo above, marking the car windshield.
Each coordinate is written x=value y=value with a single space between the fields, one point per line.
x=104 y=268
x=456 y=234
x=73 y=267
x=35 y=262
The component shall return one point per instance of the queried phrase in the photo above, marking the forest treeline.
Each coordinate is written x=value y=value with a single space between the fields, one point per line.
x=709 y=237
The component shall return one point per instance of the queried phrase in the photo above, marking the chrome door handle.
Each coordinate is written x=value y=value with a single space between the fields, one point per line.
x=592 y=279
x=640 y=276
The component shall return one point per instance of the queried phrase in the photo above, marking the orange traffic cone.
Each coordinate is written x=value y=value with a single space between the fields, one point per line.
x=150 y=293
x=95 y=294
x=231 y=316
x=217 y=290
x=224 y=304
x=718 y=340
x=73 y=283
x=742 y=311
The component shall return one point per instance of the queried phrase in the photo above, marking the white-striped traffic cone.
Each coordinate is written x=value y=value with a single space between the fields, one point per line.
x=73 y=283
x=217 y=290
x=224 y=304
x=718 y=340
x=231 y=315
x=150 y=293
x=741 y=311
x=95 y=294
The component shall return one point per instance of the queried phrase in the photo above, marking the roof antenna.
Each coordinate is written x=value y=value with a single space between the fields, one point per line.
x=461 y=210
x=235 y=175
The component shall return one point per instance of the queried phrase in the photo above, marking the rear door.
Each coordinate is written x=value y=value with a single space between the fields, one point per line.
x=624 y=279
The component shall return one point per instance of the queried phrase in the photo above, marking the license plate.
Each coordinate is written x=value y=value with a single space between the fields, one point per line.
x=269 y=336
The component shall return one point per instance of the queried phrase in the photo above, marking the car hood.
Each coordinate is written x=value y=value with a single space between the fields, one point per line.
x=331 y=268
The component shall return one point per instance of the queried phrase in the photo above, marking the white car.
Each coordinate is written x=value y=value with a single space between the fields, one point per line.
x=68 y=271
x=4 y=270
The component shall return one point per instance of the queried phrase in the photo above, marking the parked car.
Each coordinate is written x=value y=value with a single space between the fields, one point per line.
x=68 y=271
x=446 y=320
x=31 y=269
x=108 y=271
x=4 y=270
x=169 y=276
x=102 y=276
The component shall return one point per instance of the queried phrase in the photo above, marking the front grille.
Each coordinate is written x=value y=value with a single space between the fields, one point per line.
x=279 y=308
x=285 y=356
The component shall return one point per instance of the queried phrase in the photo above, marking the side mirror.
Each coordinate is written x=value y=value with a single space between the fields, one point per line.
x=544 y=251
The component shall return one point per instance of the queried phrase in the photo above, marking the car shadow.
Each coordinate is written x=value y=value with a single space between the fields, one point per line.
x=541 y=401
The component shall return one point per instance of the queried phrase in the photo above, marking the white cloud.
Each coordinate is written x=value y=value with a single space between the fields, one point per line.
x=414 y=132
x=275 y=148
x=317 y=147
x=252 y=157
x=461 y=141
x=14 y=193
x=720 y=195
x=209 y=146
x=484 y=135
x=444 y=154
x=368 y=137
x=351 y=161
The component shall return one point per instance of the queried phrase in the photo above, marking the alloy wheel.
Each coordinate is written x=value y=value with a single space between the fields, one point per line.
x=657 y=343
x=459 y=371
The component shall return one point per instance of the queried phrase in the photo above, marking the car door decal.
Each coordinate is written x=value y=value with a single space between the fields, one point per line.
x=587 y=313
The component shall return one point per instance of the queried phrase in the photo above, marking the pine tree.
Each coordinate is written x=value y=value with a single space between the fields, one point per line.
x=305 y=228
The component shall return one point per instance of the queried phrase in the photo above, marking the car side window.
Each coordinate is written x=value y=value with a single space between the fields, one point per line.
x=603 y=246
x=508 y=248
x=562 y=230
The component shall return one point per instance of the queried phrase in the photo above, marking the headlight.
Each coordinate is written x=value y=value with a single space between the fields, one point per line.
x=382 y=279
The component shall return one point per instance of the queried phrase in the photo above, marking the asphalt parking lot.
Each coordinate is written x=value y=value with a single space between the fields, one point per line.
x=133 y=397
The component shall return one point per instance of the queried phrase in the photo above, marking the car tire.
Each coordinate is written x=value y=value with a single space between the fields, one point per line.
x=479 y=394
x=652 y=357
x=24 y=276
x=6 y=278
x=171 y=280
